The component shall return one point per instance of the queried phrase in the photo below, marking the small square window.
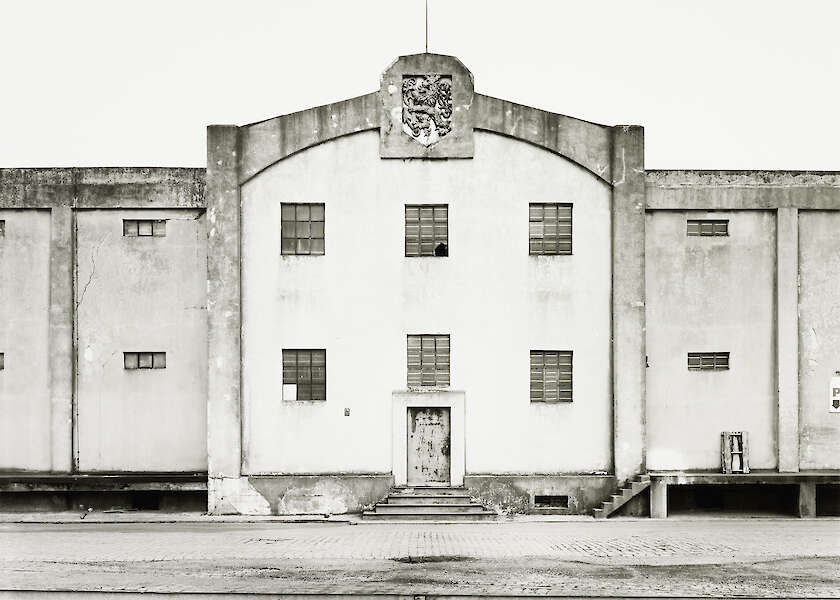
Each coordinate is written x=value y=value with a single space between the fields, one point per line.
x=427 y=230
x=301 y=229
x=144 y=360
x=428 y=360
x=305 y=375
x=130 y=360
x=551 y=376
x=159 y=360
x=129 y=227
x=159 y=228
x=144 y=228
x=549 y=228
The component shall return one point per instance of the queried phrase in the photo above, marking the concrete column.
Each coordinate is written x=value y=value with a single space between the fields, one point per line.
x=807 y=499
x=658 y=499
x=628 y=301
x=787 y=337
x=224 y=441
x=61 y=339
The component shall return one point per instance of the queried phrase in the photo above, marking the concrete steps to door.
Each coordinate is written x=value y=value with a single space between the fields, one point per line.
x=625 y=494
x=429 y=503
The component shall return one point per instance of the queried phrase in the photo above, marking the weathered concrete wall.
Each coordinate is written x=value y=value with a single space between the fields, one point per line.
x=515 y=493
x=708 y=294
x=141 y=294
x=362 y=298
x=819 y=337
x=307 y=495
x=25 y=425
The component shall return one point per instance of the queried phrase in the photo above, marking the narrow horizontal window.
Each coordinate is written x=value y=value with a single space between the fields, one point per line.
x=551 y=376
x=428 y=360
x=302 y=228
x=144 y=360
x=426 y=230
x=144 y=227
x=549 y=228
x=707 y=227
x=305 y=374
x=708 y=361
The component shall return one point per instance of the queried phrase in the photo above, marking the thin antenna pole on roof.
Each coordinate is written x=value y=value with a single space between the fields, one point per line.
x=427 y=26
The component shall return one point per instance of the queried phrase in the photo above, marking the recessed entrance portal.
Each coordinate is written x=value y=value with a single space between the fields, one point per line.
x=428 y=445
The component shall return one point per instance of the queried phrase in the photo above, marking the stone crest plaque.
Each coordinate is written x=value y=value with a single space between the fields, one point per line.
x=427 y=107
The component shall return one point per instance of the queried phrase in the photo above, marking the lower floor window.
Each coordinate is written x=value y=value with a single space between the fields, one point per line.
x=551 y=376
x=304 y=374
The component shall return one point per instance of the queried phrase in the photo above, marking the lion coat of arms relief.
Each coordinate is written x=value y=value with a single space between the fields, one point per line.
x=427 y=107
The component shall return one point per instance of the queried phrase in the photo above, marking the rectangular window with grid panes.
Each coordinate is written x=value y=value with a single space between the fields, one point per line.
x=428 y=361
x=302 y=229
x=551 y=376
x=304 y=374
x=427 y=230
x=708 y=361
x=549 y=228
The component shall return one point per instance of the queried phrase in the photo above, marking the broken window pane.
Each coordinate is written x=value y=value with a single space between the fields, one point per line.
x=427 y=230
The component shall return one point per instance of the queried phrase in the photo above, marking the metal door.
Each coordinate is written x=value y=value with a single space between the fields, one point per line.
x=428 y=445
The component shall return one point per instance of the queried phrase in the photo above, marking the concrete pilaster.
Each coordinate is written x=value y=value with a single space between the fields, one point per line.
x=61 y=339
x=628 y=301
x=807 y=499
x=787 y=337
x=658 y=499
x=224 y=442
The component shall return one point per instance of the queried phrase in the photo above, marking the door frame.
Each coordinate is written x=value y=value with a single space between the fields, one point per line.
x=401 y=401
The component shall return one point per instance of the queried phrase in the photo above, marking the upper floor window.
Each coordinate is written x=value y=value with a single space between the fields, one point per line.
x=428 y=360
x=427 y=230
x=551 y=376
x=144 y=227
x=304 y=374
x=549 y=228
x=710 y=227
x=708 y=361
x=302 y=228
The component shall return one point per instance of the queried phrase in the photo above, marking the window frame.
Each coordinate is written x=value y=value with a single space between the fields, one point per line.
x=157 y=227
x=538 y=394
x=559 y=221
x=415 y=378
x=708 y=361
x=309 y=383
x=436 y=224
x=144 y=360
x=713 y=231
x=303 y=244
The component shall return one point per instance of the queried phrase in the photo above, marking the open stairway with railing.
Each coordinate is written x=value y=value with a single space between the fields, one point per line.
x=426 y=503
x=630 y=490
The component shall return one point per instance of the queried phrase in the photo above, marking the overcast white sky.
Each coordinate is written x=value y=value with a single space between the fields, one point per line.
x=716 y=84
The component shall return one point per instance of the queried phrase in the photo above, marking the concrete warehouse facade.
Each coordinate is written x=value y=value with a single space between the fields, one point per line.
x=422 y=286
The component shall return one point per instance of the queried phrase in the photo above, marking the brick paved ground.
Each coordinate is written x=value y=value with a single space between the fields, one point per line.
x=760 y=557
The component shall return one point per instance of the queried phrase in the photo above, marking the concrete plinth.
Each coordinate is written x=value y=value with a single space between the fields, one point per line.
x=658 y=499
